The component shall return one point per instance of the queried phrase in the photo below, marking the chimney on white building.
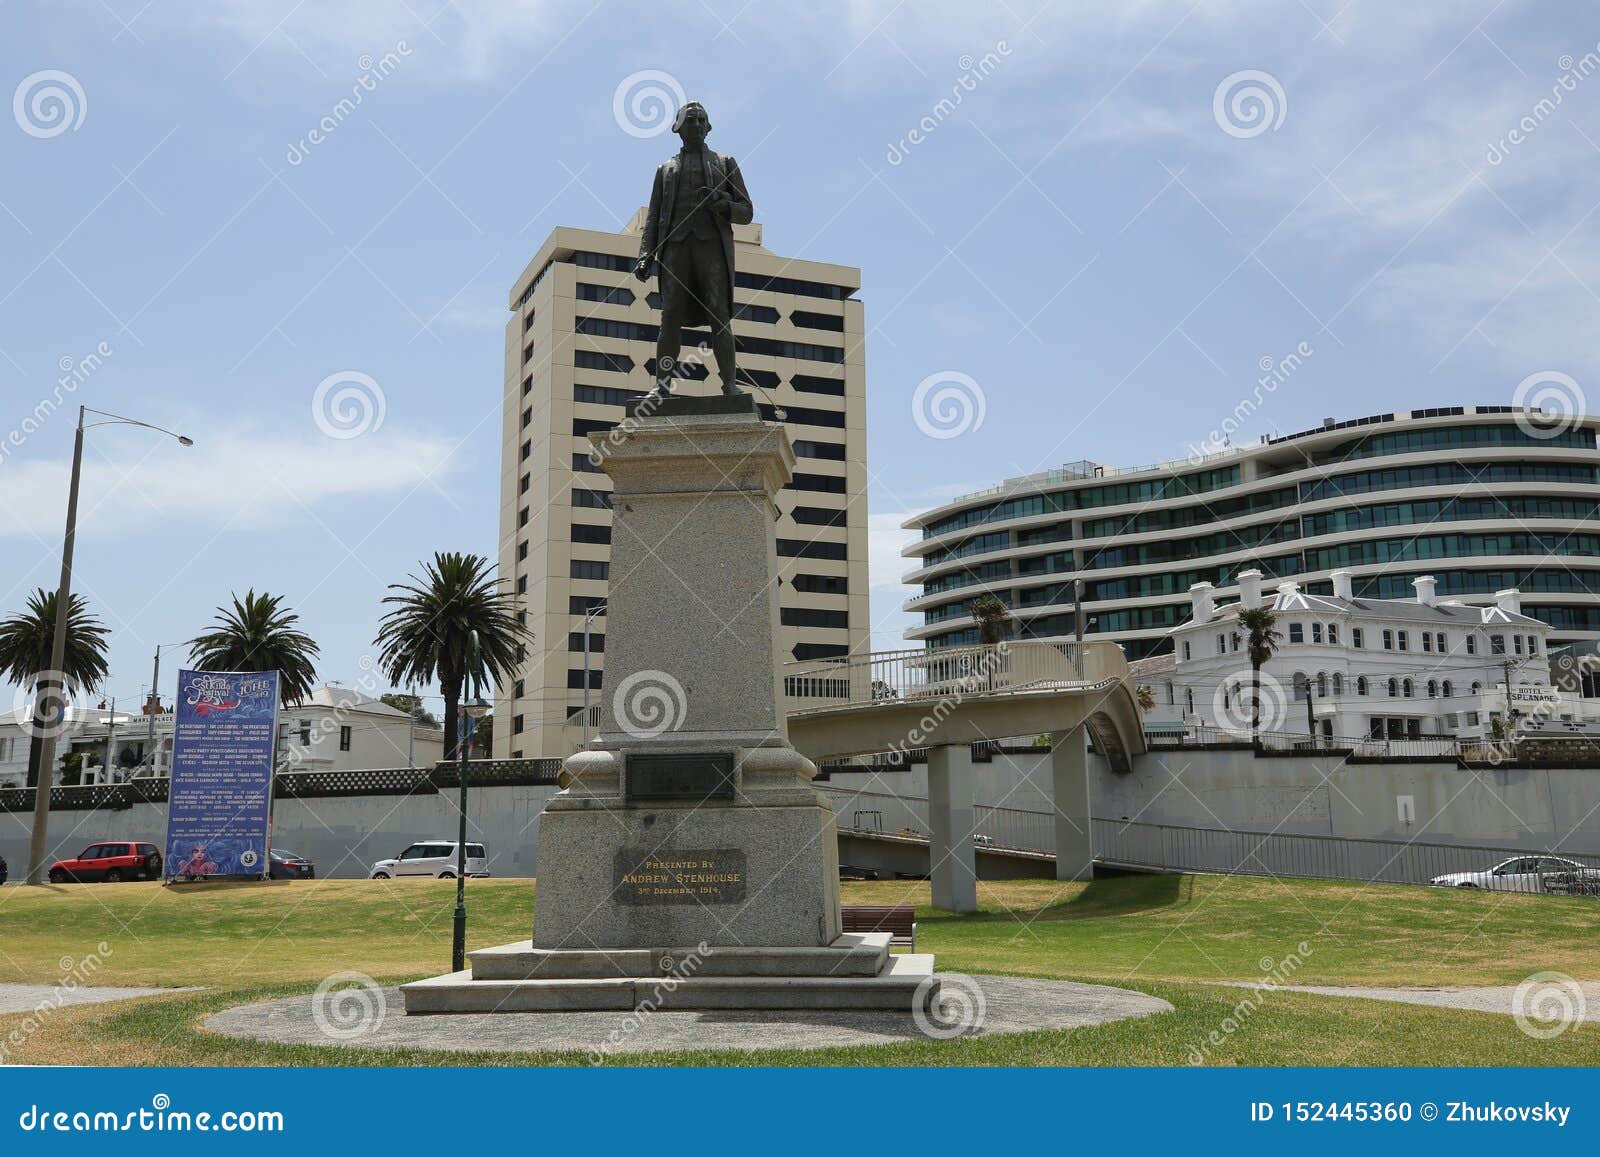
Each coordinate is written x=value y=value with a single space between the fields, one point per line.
x=1202 y=596
x=1425 y=585
x=1509 y=600
x=1249 y=589
x=1341 y=585
x=1288 y=589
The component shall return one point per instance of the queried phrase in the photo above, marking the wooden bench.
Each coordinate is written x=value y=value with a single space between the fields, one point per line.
x=899 y=920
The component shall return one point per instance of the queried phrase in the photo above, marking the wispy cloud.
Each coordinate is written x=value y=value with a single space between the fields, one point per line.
x=238 y=479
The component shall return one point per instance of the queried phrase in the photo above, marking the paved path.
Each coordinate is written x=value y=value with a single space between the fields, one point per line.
x=28 y=997
x=1499 y=998
x=1009 y=1005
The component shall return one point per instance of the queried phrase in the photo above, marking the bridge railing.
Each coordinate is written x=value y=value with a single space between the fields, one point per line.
x=947 y=673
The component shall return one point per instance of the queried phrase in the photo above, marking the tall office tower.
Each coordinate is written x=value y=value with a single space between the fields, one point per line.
x=580 y=342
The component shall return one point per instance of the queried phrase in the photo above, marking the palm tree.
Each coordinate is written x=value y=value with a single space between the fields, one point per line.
x=1145 y=696
x=994 y=619
x=258 y=634
x=428 y=633
x=25 y=652
x=1262 y=625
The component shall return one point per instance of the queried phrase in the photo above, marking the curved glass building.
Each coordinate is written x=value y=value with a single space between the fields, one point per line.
x=1481 y=497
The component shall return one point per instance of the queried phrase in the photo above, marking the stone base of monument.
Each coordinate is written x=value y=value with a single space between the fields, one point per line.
x=687 y=862
x=855 y=972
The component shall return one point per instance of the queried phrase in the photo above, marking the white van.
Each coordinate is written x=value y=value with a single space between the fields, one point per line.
x=432 y=858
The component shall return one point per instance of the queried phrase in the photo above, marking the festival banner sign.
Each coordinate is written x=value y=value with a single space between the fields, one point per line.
x=220 y=799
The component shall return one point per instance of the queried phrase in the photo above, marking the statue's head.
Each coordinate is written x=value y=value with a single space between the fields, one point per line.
x=692 y=124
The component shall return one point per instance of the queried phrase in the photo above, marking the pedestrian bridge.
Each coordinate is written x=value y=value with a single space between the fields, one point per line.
x=946 y=700
x=897 y=700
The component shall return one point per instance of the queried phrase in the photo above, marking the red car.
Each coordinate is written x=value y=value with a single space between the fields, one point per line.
x=112 y=862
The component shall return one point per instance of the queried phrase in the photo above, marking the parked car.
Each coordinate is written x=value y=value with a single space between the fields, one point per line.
x=111 y=862
x=1519 y=874
x=284 y=865
x=432 y=858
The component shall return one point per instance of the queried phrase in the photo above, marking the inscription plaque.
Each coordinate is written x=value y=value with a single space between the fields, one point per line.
x=695 y=876
x=680 y=777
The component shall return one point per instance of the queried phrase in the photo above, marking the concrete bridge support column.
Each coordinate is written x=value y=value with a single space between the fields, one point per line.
x=952 y=861
x=1069 y=781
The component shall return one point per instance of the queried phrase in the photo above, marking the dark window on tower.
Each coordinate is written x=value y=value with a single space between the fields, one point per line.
x=812 y=617
x=344 y=738
x=584 y=604
x=583 y=427
x=818 y=516
x=583 y=463
x=792 y=548
x=583 y=568
x=597 y=642
x=820 y=650
x=575 y=679
x=593 y=499
x=830 y=451
x=594 y=360
x=830 y=321
x=522 y=551
x=812 y=384
x=821 y=483
x=583 y=532
x=822 y=584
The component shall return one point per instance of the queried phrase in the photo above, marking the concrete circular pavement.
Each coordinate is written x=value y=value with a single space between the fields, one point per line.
x=979 y=1006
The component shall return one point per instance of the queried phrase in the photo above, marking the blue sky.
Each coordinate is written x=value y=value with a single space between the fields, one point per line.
x=1090 y=229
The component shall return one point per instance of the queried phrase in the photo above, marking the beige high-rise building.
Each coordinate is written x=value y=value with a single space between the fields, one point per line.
x=580 y=342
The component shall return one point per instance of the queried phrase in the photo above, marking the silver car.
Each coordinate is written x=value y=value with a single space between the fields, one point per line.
x=432 y=858
x=1520 y=874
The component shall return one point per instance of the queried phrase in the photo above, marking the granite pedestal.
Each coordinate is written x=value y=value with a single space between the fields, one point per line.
x=687 y=830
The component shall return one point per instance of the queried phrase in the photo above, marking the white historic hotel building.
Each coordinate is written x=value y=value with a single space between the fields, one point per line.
x=1360 y=668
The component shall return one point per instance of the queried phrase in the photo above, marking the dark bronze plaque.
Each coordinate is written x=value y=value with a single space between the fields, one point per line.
x=696 y=876
x=680 y=777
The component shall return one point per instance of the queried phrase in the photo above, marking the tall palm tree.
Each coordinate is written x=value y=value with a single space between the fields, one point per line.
x=427 y=634
x=258 y=634
x=1263 y=640
x=25 y=645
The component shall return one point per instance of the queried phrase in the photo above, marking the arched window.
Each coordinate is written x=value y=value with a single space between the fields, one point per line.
x=1300 y=685
x=1189 y=696
x=1409 y=689
x=1361 y=684
x=1333 y=634
x=1227 y=696
x=1338 y=680
x=1433 y=689
x=1316 y=632
x=1322 y=684
x=1447 y=689
x=1477 y=687
x=1394 y=687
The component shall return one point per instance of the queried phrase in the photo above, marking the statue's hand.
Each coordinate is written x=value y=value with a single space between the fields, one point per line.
x=721 y=204
x=642 y=269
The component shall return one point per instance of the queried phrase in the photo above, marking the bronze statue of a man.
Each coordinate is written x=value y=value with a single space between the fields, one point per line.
x=697 y=198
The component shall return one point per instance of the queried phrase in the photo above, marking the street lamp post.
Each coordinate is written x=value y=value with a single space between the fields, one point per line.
x=588 y=622
x=458 y=944
x=155 y=698
x=58 y=641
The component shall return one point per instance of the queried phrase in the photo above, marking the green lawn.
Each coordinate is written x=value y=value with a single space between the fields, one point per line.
x=1159 y=934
